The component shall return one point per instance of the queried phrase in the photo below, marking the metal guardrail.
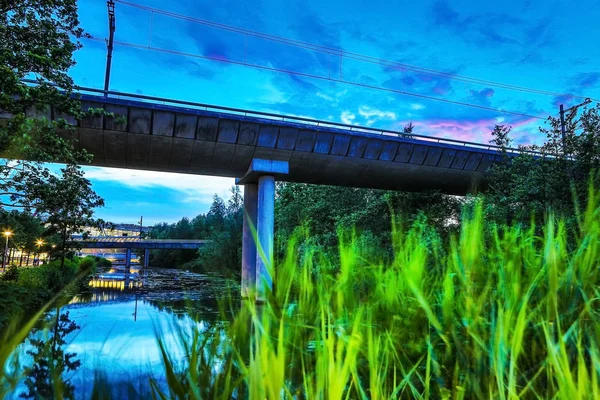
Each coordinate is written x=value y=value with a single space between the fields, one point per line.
x=289 y=118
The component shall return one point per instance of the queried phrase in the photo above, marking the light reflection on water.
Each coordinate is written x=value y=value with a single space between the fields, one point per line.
x=119 y=328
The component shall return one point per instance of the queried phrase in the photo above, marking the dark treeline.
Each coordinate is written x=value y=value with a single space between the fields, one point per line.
x=321 y=211
x=222 y=225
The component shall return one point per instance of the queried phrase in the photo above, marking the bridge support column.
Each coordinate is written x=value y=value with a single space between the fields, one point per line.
x=127 y=267
x=128 y=260
x=248 y=242
x=265 y=225
x=146 y=258
x=259 y=211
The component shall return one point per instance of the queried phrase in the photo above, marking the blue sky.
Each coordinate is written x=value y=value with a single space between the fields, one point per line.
x=544 y=45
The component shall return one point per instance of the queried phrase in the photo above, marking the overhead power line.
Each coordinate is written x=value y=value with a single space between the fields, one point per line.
x=348 y=54
x=314 y=76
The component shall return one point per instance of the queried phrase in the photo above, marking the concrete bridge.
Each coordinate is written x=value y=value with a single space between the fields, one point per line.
x=129 y=243
x=257 y=148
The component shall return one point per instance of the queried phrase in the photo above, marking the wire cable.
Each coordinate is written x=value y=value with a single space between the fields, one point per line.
x=314 y=76
x=347 y=54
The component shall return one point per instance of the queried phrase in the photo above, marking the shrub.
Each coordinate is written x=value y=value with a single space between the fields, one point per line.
x=11 y=274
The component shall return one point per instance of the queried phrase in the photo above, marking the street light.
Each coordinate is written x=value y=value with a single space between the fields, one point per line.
x=562 y=120
x=7 y=234
x=39 y=243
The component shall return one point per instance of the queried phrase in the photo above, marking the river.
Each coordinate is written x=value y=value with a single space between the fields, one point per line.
x=117 y=332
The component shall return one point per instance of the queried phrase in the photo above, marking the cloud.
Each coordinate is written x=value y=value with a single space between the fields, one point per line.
x=347 y=117
x=478 y=131
x=485 y=29
x=585 y=80
x=444 y=14
x=369 y=112
x=482 y=97
x=191 y=187
x=564 y=99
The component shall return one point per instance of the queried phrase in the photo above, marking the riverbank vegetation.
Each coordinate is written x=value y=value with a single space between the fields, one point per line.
x=494 y=312
x=25 y=291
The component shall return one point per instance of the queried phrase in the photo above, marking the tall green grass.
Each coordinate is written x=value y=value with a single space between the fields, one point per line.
x=498 y=312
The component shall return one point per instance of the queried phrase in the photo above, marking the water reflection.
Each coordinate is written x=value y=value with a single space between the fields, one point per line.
x=50 y=364
x=120 y=284
x=120 y=324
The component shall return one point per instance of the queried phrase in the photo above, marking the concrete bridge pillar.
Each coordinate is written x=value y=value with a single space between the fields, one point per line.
x=127 y=260
x=265 y=225
x=146 y=258
x=248 y=243
x=259 y=223
x=127 y=267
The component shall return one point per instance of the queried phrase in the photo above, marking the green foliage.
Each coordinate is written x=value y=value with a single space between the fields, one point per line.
x=26 y=229
x=36 y=38
x=68 y=203
x=526 y=187
x=325 y=210
x=222 y=226
x=11 y=274
x=366 y=211
x=501 y=313
x=25 y=291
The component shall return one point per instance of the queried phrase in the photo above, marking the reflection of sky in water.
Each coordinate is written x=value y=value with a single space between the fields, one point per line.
x=110 y=341
x=125 y=350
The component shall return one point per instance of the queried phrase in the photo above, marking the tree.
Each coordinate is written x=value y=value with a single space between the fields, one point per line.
x=527 y=186
x=26 y=228
x=221 y=225
x=68 y=203
x=367 y=212
x=236 y=201
x=37 y=39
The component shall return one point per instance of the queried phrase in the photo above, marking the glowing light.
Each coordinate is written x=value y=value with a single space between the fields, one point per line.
x=7 y=233
x=40 y=242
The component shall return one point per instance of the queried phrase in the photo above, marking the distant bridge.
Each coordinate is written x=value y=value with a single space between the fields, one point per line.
x=129 y=243
x=121 y=242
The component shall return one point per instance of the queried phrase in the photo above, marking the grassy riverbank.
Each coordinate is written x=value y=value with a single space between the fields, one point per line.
x=497 y=312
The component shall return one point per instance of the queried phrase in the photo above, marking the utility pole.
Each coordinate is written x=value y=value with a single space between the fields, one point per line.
x=141 y=225
x=562 y=122
x=109 y=44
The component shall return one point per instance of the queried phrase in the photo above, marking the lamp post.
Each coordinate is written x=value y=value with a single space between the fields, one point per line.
x=562 y=121
x=39 y=243
x=7 y=234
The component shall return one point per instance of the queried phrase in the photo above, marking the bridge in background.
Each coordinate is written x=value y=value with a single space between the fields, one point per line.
x=129 y=243
x=152 y=133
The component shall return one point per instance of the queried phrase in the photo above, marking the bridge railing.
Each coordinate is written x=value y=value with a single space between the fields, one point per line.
x=111 y=94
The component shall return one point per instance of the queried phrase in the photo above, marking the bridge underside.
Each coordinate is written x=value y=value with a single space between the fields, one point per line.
x=155 y=137
x=383 y=165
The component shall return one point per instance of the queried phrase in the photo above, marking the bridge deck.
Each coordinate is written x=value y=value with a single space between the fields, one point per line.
x=137 y=243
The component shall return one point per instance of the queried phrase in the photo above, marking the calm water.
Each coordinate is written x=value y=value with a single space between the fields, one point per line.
x=117 y=335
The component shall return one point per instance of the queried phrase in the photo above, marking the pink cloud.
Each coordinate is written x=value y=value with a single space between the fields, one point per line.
x=478 y=131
